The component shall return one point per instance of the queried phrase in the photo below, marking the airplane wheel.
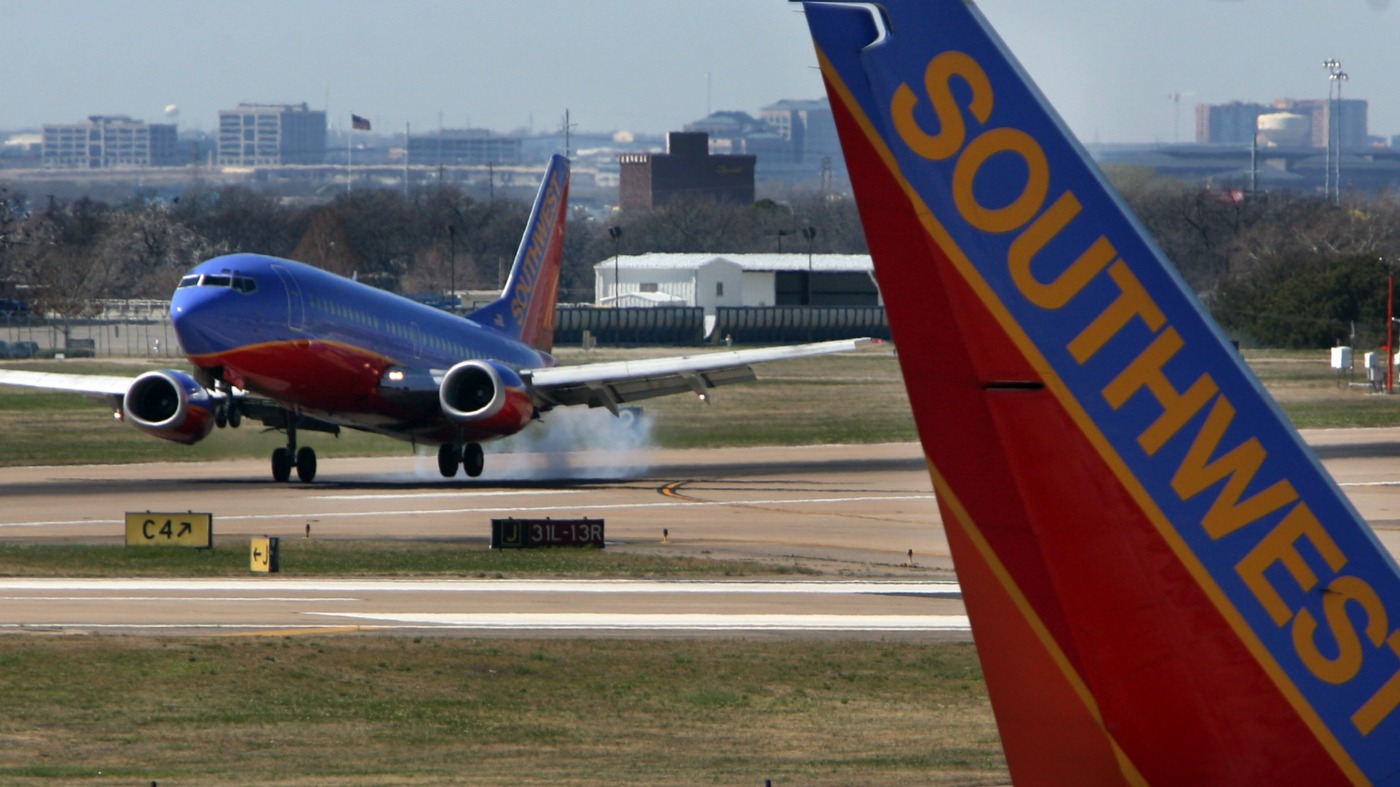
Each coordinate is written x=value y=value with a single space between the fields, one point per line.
x=449 y=457
x=306 y=465
x=281 y=465
x=473 y=459
x=220 y=417
x=235 y=415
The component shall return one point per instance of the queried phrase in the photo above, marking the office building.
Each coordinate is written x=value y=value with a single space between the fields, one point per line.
x=107 y=142
x=262 y=135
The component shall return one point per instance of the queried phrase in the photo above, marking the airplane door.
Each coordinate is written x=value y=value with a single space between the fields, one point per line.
x=296 y=309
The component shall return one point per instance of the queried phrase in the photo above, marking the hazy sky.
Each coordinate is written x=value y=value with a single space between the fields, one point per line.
x=1110 y=66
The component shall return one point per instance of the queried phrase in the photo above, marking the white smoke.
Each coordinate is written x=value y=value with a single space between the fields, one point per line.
x=567 y=443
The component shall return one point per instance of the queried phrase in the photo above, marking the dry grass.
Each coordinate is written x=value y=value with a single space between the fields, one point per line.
x=376 y=710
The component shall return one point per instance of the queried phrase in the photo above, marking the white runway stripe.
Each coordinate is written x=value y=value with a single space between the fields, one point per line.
x=572 y=586
x=667 y=622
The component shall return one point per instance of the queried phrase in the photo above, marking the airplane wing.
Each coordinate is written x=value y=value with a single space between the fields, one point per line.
x=114 y=389
x=89 y=384
x=1165 y=586
x=612 y=383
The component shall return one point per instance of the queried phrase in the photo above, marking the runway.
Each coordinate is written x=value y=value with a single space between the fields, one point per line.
x=857 y=514
x=852 y=510
x=846 y=504
x=511 y=607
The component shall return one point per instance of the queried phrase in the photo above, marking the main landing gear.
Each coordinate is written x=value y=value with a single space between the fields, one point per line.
x=284 y=459
x=469 y=456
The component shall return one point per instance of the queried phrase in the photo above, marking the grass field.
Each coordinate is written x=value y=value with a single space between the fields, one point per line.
x=337 y=558
x=428 y=710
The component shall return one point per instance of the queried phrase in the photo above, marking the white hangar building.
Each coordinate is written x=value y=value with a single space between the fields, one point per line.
x=714 y=280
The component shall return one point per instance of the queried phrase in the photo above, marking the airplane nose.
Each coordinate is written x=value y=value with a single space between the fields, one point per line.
x=203 y=319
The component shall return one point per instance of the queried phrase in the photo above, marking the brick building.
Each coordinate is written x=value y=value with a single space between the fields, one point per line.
x=686 y=169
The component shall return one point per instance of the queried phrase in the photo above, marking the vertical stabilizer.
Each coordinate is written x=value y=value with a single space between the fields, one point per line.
x=1164 y=584
x=525 y=310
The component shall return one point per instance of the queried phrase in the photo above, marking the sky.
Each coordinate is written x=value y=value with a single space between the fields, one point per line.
x=1117 y=70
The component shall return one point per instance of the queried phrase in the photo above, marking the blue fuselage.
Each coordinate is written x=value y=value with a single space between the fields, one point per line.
x=319 y=343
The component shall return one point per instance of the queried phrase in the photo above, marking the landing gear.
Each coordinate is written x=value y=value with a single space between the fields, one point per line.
x=473 y=459
x=449 y=457
x=470 y=457
x=306 y=464
x=284 y=459
x=281 y=465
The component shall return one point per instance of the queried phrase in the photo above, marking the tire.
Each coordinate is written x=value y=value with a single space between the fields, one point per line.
x=473 y=459
x=281 y=465
x=306 y=465
x=449 y=459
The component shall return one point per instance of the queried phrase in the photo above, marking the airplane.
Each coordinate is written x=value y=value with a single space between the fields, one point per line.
x=302 y=349
x=1164 y=584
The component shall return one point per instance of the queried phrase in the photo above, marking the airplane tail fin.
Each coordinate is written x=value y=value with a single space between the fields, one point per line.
x=1164 y=584
x=525 y=310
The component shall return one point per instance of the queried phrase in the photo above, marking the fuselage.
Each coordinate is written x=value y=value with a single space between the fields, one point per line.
x=319 y=343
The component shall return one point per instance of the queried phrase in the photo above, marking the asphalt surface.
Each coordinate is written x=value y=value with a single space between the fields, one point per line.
x=846 y=511
x=863 y=516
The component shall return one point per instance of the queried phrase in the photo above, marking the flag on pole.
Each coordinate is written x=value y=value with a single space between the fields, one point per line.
x=358 y=123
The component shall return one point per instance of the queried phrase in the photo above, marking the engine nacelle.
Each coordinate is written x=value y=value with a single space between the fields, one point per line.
x=170 y=405
x=488 y=396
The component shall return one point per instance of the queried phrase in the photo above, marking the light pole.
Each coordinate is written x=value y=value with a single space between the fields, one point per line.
x=1333 y=67
x=1339 y=78
x=616 y=234
x=452 y=261
x=810 y=233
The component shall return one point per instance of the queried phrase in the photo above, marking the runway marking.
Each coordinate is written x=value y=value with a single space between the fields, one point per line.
x=1370 y=483
x=668 y=622
x=263 y=627
x=187 y=599
x=427 y=495
x=571 y=586
x=300 y=516
x=300 y=632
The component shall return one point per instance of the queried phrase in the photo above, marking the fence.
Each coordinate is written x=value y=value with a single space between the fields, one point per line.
x=784 y=324
x=106 y=337
x=675 y=325
x=142 y=329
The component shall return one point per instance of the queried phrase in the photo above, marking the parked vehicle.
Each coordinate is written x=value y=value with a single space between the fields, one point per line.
x=23 y=350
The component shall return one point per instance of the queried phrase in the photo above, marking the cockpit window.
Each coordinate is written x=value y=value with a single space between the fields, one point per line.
x=235 y=281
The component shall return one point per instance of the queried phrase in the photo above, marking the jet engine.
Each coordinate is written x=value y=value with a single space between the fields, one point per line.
x=488 y=396
x=170 y=405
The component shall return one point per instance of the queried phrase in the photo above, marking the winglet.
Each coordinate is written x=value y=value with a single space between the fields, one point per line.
x=525 y=310
x=1164 y=584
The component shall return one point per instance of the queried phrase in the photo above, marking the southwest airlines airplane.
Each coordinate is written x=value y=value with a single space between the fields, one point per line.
x=298 y=348
x=1165 y=586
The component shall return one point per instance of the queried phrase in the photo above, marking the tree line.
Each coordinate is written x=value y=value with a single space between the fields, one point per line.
x=63 y=255
x=1277 y=269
